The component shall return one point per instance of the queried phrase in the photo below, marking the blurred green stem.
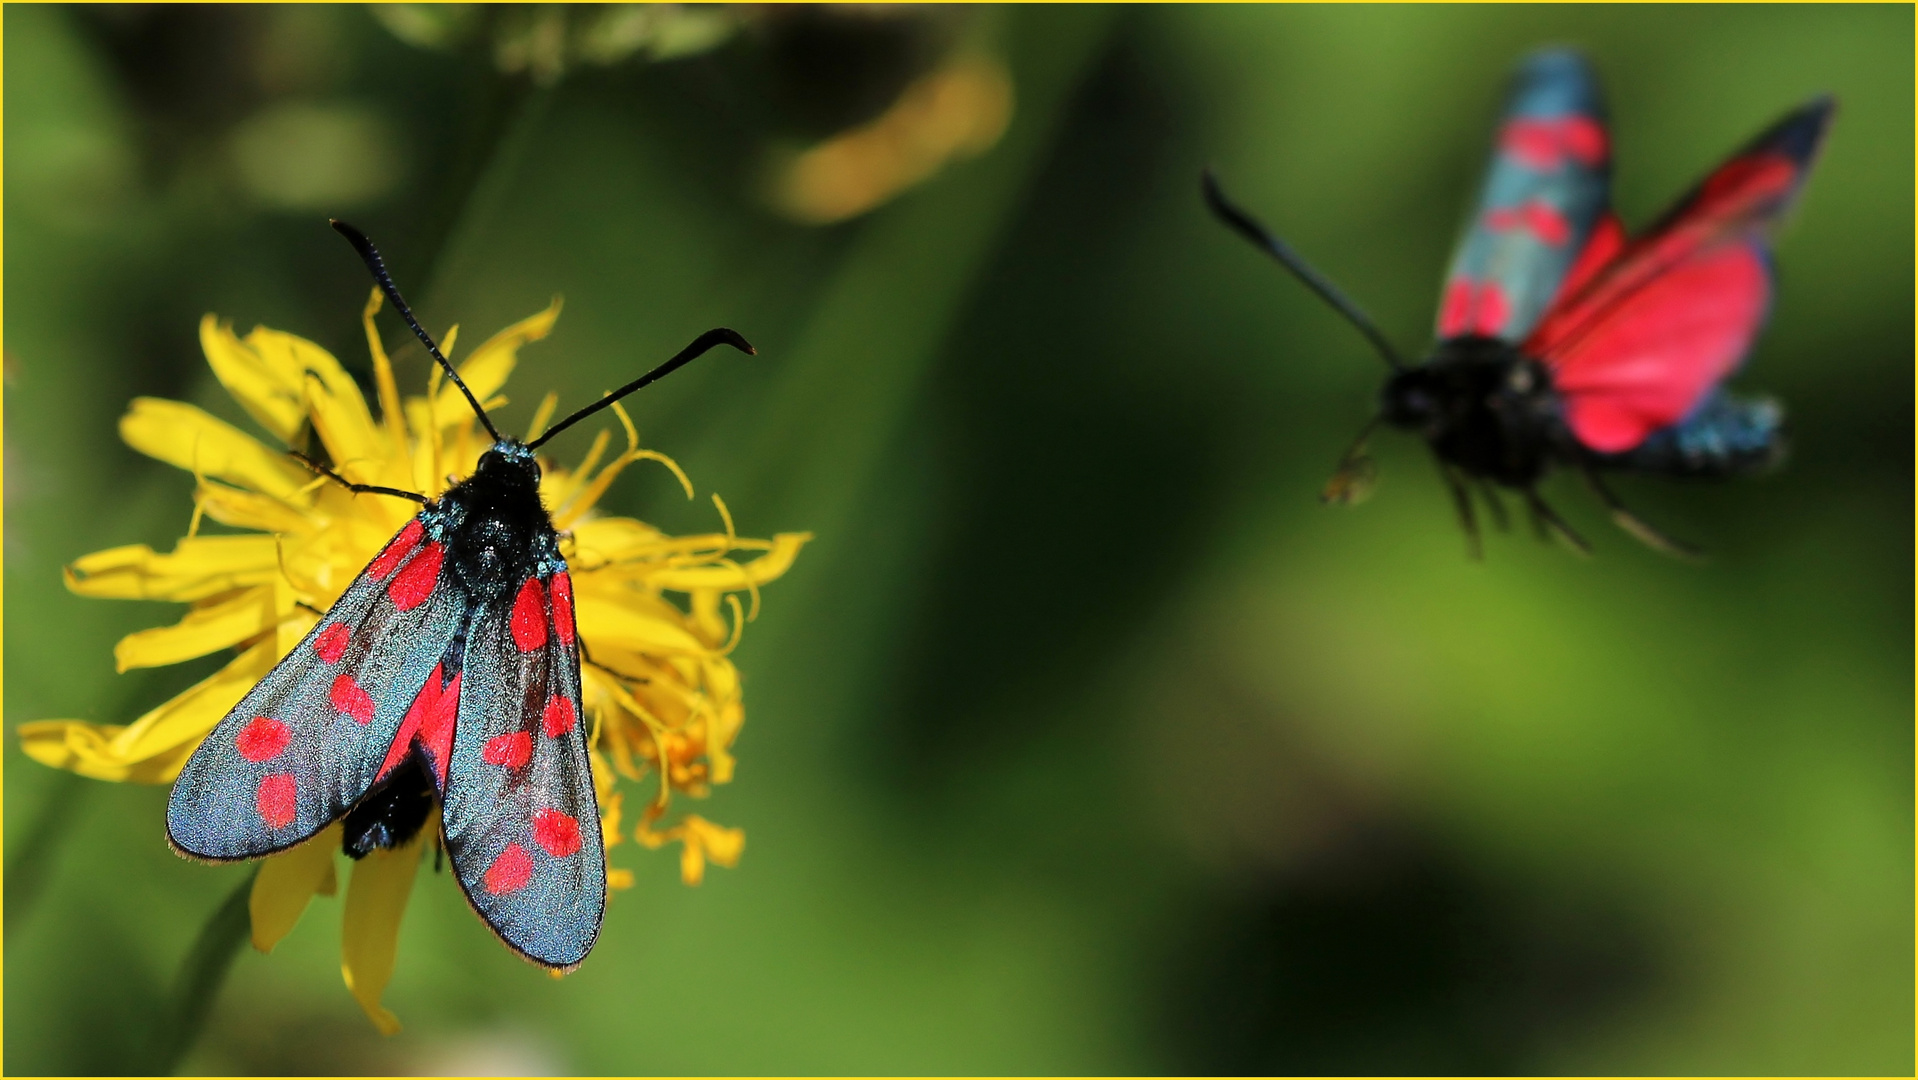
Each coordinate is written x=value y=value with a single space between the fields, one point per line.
x=493 y=182
x=201 y=975
x=31 y=863
x=864 y=356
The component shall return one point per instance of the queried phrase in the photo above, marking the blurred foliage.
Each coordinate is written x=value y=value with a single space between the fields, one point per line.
x=1084 y=739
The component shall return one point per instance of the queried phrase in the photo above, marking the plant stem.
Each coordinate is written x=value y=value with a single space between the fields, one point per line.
x=201 y=974
x=31 y=864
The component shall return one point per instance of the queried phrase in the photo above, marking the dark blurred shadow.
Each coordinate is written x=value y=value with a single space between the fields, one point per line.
x=1387 y=955
x=1077 y=493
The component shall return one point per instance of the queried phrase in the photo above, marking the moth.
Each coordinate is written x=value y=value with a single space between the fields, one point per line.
x=448 y=672
x=1564 y=343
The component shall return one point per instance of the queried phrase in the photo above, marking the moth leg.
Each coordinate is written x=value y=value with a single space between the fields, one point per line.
x=1637 y=526
x=1462 y=501
x=1500 y=519
x=1356 y=475
x=1549 y=523
x=357 y=489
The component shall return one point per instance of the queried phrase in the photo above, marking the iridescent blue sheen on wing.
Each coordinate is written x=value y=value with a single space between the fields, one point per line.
x=1724 y=436
x=521 y=818
x=1546 y=190
x=308 y=741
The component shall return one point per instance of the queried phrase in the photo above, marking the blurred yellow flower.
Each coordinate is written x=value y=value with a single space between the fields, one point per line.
x=955 y=112
x=658 y=683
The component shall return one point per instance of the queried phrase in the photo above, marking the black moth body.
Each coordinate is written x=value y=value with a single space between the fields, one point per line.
x=1490 y=410
x=497 y=533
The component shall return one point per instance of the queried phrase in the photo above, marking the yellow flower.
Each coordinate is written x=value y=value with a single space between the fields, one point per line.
x=956 y=112
x=662 y=693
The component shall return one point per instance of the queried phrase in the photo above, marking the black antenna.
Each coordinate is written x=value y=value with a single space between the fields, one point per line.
x=687 y=355
x=374 y=263
x=1243 y=223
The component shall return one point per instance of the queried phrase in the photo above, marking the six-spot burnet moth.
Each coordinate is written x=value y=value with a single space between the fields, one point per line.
x=448 y=671
x=1563 y=342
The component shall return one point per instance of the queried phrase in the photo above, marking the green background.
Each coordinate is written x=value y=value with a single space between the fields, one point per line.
x=1082 y=739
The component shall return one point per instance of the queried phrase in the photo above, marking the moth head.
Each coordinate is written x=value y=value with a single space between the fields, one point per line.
x=510 y=462
x=1412 y=400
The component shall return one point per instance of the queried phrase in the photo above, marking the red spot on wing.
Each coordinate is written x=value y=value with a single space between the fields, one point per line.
x=1455 y=311
x=557 y=832
x=350 y=700
x=1473 y=308
x=559 y=717
x=1531 y=142
x=1492 y=310
x=1584 y=138
x=436 y=729
x=275 y=800
x=331 y=644
x=529 y=616
x=1536 y=216
x=263 y=739
x=397 y=549
x=511 y=750
x=512 y=870
x=415 y=583
x=1544 y=143
x=561 y=592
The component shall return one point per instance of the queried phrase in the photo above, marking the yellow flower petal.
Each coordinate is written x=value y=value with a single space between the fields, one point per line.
x=152 y=749
x=735 y=576
x=346 y=428
x=205 y=629
x=700 y=840
x=602 y=620
x=268 y=394
x=270 y=373
x=198 y=567
x=195 y=440
x=286 y=882
x=244 y=509
x=369 y=933
x=706 y=841
x=486 y=370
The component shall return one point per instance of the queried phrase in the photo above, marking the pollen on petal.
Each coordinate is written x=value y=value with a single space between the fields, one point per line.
x=331 y=644
x=263 y=739
x=559 y=717
x=529 y=616
x=396 y=550
x=415 y=583
x=349 y=699
x=512 y=870
x=511 y=750
x=556 y=831
x=561 y=591
x=275 y=800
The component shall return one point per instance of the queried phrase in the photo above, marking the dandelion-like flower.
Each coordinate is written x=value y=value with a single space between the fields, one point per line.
x=659 y=687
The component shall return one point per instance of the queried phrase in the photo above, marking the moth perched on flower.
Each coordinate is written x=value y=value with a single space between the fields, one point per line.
x=502 y=657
